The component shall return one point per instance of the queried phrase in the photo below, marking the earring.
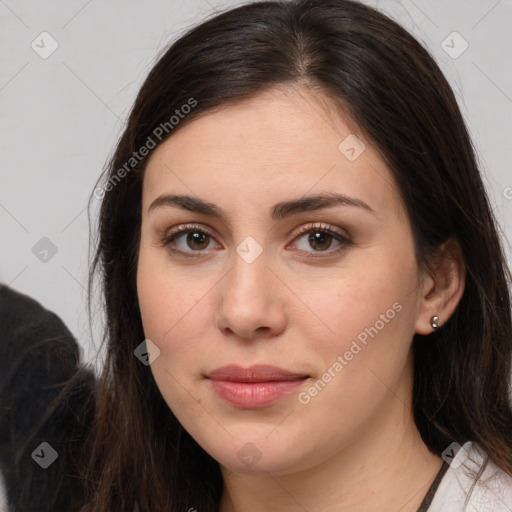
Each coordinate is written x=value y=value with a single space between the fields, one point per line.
x=434 y=322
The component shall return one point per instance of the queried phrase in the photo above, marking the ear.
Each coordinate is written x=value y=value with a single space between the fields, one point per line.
x=443 y=288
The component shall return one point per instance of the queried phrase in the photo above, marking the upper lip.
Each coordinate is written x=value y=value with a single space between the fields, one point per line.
x=255 y=373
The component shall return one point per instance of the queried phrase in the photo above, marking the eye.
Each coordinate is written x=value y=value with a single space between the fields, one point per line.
x=190 y=238
x=196 y=239
x=321 y=238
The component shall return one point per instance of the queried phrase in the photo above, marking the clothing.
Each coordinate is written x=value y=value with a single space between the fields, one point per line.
x=427 y=500
x=44 y=398
x=492 y=491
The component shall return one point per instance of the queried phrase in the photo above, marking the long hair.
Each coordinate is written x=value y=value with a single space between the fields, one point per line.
x=390 y=85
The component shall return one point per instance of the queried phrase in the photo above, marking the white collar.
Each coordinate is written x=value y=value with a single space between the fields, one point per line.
x=492 y=492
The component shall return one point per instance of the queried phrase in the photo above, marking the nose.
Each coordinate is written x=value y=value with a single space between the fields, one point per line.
x=252 y=301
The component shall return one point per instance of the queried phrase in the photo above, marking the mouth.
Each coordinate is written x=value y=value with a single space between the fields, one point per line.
x=256 y=386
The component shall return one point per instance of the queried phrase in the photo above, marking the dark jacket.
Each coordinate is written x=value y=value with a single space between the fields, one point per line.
x=45 y=397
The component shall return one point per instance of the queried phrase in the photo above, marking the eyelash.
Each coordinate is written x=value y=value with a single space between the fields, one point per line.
x=175 y=233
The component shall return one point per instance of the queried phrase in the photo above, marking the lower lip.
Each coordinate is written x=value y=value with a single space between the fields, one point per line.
x=252 y=395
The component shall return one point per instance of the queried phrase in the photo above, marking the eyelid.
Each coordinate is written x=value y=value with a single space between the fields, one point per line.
x=343 y=238
x=182 y=229
x=320 y=226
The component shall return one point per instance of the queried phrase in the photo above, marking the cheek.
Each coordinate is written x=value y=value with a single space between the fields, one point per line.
x=168 y=309
x=361 y=338
x=167 y=297
x=176 y=313
x=366 y=302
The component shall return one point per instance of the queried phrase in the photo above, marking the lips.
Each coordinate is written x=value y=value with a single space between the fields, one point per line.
x=255 y=373
x=254 y=387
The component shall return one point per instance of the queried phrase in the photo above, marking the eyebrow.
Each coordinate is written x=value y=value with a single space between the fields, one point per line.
x=278 y=212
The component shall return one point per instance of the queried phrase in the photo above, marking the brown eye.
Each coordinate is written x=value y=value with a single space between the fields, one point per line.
x=196 y=240
x=187 y=240
x=321 y=239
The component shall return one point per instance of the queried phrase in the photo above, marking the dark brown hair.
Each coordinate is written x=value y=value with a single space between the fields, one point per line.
x=393 y=90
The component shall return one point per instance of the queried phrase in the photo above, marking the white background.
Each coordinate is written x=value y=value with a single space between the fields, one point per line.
x=60 y=117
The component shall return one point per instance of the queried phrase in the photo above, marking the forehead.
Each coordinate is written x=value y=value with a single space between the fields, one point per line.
x=284 y=143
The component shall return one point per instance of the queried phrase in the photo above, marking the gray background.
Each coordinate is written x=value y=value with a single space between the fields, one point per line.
x=61 y=116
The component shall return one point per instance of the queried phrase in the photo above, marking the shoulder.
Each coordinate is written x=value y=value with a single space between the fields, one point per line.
x=473 y=478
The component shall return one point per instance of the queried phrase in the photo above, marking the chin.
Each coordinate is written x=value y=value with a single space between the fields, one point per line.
x=257 y=455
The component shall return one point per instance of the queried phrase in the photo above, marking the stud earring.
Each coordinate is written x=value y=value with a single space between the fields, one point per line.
x=434 y=322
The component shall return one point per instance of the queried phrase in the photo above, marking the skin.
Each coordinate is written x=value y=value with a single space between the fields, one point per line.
x=354 y=446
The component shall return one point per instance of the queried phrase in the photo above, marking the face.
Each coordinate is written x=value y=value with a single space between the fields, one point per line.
x=251 y=270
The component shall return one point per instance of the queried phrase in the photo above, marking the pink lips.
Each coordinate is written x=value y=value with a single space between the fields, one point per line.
x=255 y=386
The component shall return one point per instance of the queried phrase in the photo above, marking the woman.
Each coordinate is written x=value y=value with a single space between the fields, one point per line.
x=307 y=300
